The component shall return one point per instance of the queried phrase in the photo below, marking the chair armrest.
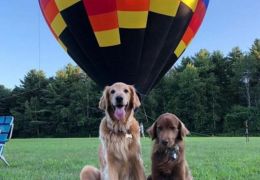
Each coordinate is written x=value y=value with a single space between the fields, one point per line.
x=11 y=131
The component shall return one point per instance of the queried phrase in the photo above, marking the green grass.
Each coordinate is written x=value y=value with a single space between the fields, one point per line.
x=209 y=158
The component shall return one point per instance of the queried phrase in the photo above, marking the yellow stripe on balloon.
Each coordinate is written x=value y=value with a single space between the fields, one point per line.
x=180 y=48
x=132 y=19
x=108 y=37
x=64 y=4
x=58 y=25
x=165 y=7
x=62 y=45
x=191 y=4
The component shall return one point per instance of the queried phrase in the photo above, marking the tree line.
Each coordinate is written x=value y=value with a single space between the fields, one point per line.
x=211 y=93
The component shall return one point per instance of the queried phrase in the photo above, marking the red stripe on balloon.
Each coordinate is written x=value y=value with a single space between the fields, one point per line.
x=94 y=7
x=43 y=3
x=133 y=5
x=195 y=22
x=102 y=14
x=48 y=23
x=198 y=16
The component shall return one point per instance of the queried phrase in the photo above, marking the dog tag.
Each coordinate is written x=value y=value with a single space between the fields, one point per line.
x=128 y=136
x=173 y=155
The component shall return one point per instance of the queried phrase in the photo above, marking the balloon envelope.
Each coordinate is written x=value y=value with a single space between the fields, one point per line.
x=131 y=41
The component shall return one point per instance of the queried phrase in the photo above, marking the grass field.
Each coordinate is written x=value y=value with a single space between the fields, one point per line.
x=60 y=159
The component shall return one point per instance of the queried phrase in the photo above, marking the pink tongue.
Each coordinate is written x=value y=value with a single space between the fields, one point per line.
x=120 y=113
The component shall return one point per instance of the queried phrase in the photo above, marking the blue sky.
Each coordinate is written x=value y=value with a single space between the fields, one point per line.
x=26 y=42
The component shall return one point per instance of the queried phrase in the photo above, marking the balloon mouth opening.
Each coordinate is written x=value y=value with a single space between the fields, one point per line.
x=120 y=111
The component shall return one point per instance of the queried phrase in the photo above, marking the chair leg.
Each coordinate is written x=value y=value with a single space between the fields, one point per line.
x=3 y=158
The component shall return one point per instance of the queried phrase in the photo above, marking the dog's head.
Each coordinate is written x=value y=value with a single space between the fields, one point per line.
x=167 y=129
x=119 y=100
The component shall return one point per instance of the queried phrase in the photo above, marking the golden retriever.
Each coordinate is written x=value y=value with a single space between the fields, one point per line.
x=168 y=159
x=120 y=151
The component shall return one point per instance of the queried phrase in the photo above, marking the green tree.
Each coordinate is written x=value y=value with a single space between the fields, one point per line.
x=4 y=100
x=188 y=106
x=255 y=49
x=27 y=107
x=72 y=100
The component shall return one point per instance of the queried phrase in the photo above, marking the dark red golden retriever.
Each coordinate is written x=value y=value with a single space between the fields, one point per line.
x=168 y=158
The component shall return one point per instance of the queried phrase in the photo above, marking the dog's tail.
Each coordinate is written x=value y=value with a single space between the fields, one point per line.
x=90 y=173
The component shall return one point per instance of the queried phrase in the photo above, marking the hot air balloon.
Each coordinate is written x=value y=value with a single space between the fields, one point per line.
x=131 y=41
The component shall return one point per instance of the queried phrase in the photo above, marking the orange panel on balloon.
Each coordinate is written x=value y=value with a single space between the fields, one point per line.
x=188 y=35
x=104 y=21
x=51 y=11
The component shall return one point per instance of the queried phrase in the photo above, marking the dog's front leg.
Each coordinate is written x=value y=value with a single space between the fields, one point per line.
x=138 y=170
x=113 y=172
x=159 y=177
x=141 y=175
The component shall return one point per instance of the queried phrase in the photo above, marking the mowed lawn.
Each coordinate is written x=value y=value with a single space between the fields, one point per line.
x=60 y=159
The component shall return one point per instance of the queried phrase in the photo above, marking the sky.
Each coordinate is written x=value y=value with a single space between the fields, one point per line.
x=26 y=42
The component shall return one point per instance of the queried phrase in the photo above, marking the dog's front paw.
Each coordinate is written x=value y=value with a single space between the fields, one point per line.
x=149 y=177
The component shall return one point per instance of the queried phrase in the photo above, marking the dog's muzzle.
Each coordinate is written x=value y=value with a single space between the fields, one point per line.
x=120 y=109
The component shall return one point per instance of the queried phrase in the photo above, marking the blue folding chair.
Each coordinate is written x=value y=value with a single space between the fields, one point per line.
x=6 y=130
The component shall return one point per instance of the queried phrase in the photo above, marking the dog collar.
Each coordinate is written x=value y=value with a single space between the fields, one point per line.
x=126 y=133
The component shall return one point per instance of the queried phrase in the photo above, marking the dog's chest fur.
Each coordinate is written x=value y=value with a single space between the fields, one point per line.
x=121 y=145
x=168 y=168
x=118 y=140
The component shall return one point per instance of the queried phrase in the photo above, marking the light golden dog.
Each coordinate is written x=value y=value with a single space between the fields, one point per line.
x=120 y=151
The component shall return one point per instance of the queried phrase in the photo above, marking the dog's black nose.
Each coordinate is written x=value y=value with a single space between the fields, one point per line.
x=164 y=142
x=119 y=99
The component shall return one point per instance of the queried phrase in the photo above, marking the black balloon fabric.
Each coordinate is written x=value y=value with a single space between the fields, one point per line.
x=130 y=41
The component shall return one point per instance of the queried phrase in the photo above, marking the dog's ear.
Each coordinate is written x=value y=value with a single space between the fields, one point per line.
x=135 y=99
x=103 y=100
x=183 y=131
x=152 y=131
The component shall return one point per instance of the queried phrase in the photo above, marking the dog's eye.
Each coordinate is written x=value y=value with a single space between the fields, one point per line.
x=112 y=91
x=126 y=91
x=159 y=128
